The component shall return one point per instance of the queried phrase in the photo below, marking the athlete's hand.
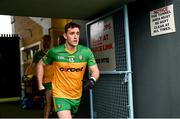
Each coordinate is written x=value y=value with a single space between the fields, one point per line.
x=41 y=88
x=90 y=83
x=42 y=92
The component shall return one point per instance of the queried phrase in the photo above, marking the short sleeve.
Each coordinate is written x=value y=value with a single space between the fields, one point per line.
x=91 y=58
x=47 y=59
x=37 y=56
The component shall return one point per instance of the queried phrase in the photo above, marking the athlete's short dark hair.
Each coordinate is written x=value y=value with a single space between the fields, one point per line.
x=71 y=25
x=46 y=37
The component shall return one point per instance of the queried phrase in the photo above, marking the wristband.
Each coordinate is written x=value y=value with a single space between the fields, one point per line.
x=93 y=79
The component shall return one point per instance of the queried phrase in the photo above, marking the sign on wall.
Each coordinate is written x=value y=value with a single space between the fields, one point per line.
x=162 y=21
x=102 y=44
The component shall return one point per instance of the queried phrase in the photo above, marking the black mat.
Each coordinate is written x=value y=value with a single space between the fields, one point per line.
x=14 y=110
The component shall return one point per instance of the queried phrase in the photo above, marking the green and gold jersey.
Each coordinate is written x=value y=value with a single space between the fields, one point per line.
x=48 y=72
x=69 y=70
x=38 y=55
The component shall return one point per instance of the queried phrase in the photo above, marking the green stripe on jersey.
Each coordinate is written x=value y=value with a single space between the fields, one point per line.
x=59 y=54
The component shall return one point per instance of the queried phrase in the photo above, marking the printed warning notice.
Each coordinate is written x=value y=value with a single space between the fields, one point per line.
x=102 y=42
x=162 y=21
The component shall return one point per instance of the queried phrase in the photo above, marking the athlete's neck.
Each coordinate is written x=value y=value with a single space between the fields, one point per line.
x=71 y=49
x=45 y=50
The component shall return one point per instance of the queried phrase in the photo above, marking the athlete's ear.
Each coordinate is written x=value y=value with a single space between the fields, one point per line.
x=65 y=36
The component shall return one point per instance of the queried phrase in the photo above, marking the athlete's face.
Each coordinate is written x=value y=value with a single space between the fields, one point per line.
x=72 y=36
x=46 y=43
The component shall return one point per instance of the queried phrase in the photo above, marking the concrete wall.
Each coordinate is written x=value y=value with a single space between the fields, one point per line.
x=44 y=22
x=29 y=31
x=155 y=63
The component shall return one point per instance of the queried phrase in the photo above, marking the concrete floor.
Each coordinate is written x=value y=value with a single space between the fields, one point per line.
x=14 y=110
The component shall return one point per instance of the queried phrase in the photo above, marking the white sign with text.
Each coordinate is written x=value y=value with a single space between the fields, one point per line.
x=162 y=21
x=102 y=44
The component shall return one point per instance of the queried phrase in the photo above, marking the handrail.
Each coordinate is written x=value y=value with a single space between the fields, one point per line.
x=115 y=72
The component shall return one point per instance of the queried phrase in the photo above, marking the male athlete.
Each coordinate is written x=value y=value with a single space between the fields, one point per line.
x=46 y=43
x=69 y=62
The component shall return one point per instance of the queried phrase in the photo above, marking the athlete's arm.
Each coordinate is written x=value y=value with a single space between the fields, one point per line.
x=94 y=71
x=32 y=65
x=29 y=69
x=40 y=73
x=93 y=77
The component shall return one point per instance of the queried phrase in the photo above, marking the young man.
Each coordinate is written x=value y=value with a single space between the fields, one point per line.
x=46 y=43
x=69 y=62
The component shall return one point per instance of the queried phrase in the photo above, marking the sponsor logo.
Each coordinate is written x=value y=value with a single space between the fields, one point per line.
x=71 y=69
x=60 y=57
x=71 y=59
x=80 y=57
